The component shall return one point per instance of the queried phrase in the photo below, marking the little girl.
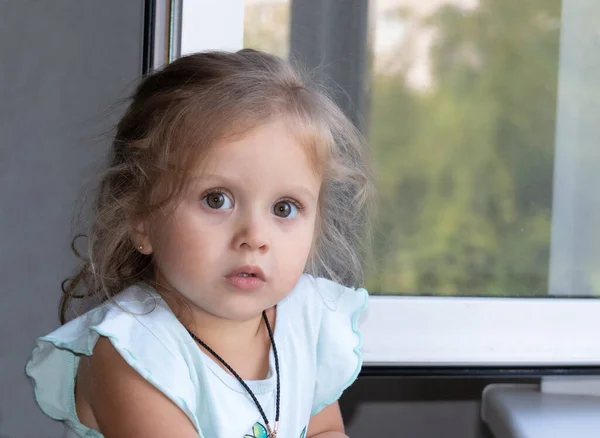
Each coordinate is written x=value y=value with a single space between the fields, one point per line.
x=230 y=217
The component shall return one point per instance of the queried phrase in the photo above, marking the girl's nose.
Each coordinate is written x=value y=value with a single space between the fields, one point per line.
x=252 y=234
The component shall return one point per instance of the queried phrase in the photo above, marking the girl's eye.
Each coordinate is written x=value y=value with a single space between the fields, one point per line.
x=285 y=209
x=218 y=201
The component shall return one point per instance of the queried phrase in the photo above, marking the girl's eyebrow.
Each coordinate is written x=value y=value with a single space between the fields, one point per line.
x=304 y=190
x=221 y=179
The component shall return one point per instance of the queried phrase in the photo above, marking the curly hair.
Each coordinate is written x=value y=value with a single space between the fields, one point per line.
x=176 y=115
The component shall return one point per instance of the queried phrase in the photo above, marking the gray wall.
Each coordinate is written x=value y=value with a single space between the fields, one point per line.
x=63 y=65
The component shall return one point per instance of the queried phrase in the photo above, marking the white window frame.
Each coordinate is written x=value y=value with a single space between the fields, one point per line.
x=439 y=331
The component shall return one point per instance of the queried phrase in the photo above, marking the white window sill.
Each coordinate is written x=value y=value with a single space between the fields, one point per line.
x=522 y=411
x=506 y=332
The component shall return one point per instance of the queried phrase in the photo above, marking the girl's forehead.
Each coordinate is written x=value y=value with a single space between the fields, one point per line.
x=277 y=142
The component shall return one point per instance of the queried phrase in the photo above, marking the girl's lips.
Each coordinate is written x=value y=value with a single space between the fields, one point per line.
x=247 y=277
x=249 y=270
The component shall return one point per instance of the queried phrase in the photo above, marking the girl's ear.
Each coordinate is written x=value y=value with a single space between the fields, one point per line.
x=139 y=232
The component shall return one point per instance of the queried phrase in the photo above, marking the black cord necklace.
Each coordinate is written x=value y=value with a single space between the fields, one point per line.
x=272 y=432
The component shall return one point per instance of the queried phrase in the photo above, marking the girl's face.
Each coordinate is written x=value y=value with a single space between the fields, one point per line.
x=239 y=241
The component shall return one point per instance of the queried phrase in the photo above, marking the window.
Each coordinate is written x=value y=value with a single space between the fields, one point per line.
x=482 y=119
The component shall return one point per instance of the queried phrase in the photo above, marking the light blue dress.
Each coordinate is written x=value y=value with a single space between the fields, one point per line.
x=317 y=338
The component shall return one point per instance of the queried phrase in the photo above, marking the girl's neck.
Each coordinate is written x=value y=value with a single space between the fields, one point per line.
x=244 y=345
x=222 y=332
x=208 y=326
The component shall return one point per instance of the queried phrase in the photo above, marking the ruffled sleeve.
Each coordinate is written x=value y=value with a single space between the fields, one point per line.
x=339 y=357
x=141 y=329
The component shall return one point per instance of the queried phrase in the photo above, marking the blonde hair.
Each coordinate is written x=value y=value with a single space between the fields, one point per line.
x=175 y=117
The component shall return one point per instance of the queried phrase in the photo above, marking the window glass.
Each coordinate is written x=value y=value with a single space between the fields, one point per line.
x=483 y=121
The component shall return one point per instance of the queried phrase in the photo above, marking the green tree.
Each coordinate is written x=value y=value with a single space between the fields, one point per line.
x=465 y=170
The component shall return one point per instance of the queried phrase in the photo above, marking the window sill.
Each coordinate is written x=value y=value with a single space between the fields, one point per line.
x=471 y=332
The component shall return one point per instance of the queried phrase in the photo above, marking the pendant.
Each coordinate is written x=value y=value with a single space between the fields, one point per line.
x=273 y=433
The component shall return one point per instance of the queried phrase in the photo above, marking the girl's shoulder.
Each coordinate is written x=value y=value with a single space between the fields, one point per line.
x=140 y=327
x=325 y=315
x=136 y=317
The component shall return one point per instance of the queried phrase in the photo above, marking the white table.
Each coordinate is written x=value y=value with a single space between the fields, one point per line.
x=522 y=411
